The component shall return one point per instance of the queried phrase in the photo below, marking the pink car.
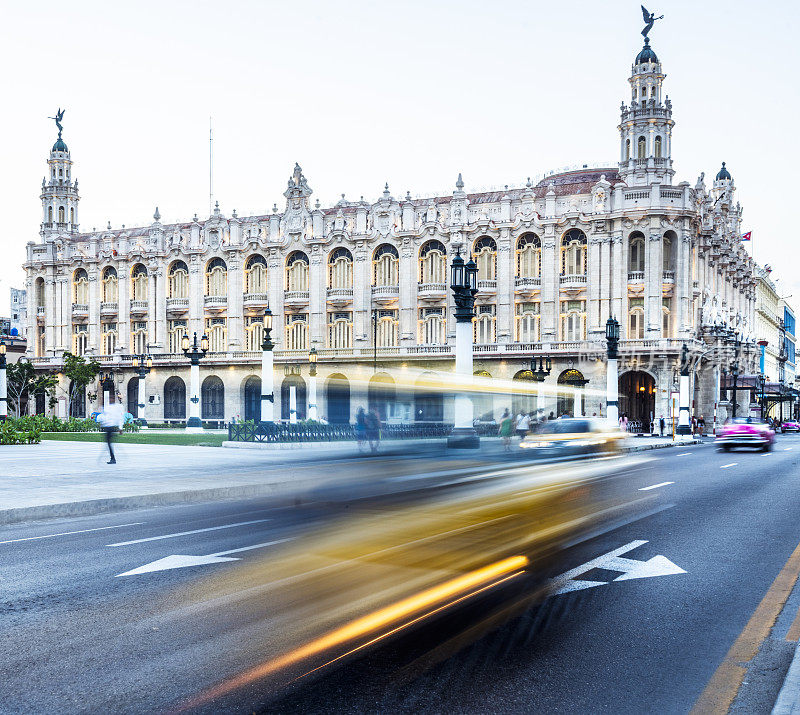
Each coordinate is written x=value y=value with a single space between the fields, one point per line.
x=745 y=432
x=790 y=426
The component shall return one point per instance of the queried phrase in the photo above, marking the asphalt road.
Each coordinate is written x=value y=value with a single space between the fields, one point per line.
x=79 y=637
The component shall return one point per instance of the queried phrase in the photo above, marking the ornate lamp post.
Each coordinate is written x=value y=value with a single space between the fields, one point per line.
x=464 y=284
x=3 y=383
x=684 y=423
x=762 y=385
x=612 y=369
x=195 y=352
x=312 y=384
x=267 y=374
x=141 y=365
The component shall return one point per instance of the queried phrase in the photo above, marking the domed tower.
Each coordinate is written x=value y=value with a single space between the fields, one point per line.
x=59 y=192
x=645 y=129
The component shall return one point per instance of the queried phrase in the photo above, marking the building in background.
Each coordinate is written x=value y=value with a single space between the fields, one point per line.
x=768 y=322
x=366 y=283
x=19 y=311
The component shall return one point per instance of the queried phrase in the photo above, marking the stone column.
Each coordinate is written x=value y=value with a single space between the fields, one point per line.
x=407 y=272
x=612 y=390
x=652 y=286
x=235 y=303
x=160 y=337
x=124 y=303
x=550 y=291
x=504 y=319
x=267 y=386
x=619 y=271
x=275 y=290
x=66 y=312
x=94 y=311
x=317 y=299
x=594 y=274
x=362 y=298
x=196 y=303
x=49 y=314
x=194 y=424
x=152 y=295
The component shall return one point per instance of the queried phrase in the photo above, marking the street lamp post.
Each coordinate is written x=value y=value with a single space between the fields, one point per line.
x=684 y=423
x=612 y=369
x=762 y=384
x=464 y=284
x=195 y=352
x=3 y=383
x=141 y=365
x=312 y=384
x=267 y=407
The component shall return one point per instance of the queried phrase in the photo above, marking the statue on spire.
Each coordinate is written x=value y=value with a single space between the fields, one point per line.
x=59 y=116
x=649 y=20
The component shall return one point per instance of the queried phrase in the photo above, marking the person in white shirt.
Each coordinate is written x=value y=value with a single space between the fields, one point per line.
x=111 y=420
x=523 y=424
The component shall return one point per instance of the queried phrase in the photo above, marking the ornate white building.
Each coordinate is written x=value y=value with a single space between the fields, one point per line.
x=366 y=284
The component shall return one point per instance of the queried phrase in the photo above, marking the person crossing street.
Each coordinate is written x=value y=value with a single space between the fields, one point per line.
x=111 y=420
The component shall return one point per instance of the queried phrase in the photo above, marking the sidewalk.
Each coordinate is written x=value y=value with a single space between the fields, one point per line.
x=60 y=478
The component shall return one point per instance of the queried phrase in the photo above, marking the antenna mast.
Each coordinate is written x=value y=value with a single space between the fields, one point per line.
x=210 y=169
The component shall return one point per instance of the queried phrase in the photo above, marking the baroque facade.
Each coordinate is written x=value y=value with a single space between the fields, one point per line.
x=366 y=284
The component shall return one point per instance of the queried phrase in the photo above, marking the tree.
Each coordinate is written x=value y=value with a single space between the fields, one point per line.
x=80 y=373
x=23 y=383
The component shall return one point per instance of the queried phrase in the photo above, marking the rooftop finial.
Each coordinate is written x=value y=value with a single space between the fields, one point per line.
x=459 y=182
x=157 y=215
x=109 y=225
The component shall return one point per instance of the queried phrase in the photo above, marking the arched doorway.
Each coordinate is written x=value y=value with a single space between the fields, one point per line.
x=428 y=400
x=40 y=402
x=174 y=399
x=570 y=400
x=338 y=396
x=252 y=398
x=300 y=395
x=77 y=403
x=637 y=398
x=133 y=395
x=524 y=400
x=381 y=395
x=212 y=399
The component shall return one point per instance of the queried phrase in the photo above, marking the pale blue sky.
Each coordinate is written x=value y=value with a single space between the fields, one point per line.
x=366 y=92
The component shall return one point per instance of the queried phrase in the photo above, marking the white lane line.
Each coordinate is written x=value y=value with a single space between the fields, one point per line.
x=655 y=486
x=732 y=464
x=67 y=533
x=766 y=454
x=186 y=533
x=683 y=454
x=786 y=449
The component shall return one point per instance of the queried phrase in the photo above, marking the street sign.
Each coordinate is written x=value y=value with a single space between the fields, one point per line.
x=613 y=561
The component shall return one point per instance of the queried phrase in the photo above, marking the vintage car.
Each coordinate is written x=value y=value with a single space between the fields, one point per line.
x=745 y=432
x=790 y=426
x=573 y=437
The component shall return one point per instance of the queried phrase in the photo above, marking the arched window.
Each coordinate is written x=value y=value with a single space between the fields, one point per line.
x=80 y=293
x=658 y=147
x=573 y=253
x=340 y=269
x=527 y=322
x=139 y=337
x=255 y=275
x=386 y=329
x=252 y=398
x=338 y=399
x=385 y=266
x=627 y=149
x=433 y=263
x=483 y=325
x=133 y=396
x=72 y=215
x=61 y=218
x=110 y=285
x=40 y=292
x=176 y=330
x=77 y=401
x=484 y=253
x=49 y=214
x=666 y=318
x=80 y=339
x=299 y=394
x=217 y=331
x=212 y=399
x=174 y=399
x=431 y=326
x=139 y=282
x=529 y=256
x=296 y=331
x=297 y=271
x=340 y=330
x=635 y=319
x=636 y=252
x=254 y=327
x=216 y=278
x=109 y=338
x=573 y=320
x=178 y=284
x=641 y=148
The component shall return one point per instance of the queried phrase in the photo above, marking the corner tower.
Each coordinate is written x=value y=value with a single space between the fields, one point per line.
x=59 y=192
x=645 y=128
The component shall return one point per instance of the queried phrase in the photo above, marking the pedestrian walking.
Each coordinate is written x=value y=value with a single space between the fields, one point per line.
x=506 y=429
x=662 y=423
x=701 y=424
x=523 y=424
x=373 y=429
x=111 y=420
x=361 y=428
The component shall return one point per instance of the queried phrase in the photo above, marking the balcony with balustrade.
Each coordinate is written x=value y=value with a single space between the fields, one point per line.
x=295 y=297
x=527 y=284
x=635 y=276
x=487 y=286
x=109 y=308
x=255 y=300
x=138 y=307
x=80 y=310
x=573 y=279
x=669 y=276
x=340 y=296
x=385 y=293
x=215 y=302
x=431 y=290
x=177 y=305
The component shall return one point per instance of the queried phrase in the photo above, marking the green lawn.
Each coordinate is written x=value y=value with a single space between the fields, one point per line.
x=200 y=440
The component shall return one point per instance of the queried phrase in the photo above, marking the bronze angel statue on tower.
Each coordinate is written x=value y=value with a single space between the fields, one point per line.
x=59 y=116
x=649 y=20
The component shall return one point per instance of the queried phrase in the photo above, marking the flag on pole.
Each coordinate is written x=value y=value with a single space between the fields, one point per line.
x=747 y=236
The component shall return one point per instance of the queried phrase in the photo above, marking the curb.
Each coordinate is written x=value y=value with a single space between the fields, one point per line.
x=647 y=447
x=788 y=702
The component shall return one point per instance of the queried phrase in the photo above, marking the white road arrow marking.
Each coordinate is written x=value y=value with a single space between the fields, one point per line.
x=612 y=561
x=179 y=561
